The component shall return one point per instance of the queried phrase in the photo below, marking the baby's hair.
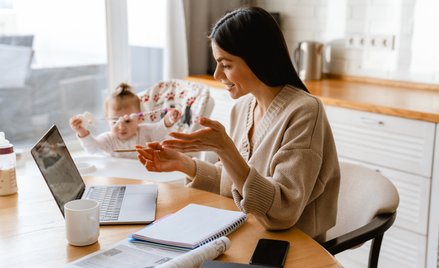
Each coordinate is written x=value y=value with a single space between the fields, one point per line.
x=122 y=97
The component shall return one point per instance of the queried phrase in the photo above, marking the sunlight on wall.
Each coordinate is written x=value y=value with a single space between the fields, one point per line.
x=425 y=40
x=409 y=23
x=334 y=27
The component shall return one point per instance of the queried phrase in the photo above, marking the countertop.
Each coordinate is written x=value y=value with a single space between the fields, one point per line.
x=408 y=100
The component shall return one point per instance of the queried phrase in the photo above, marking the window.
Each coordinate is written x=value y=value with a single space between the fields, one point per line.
x=53 y=61
x=55 y=64
x=146 y=39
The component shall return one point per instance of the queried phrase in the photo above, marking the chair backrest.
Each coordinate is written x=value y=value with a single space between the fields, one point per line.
x=364 y=194
x=191 y=98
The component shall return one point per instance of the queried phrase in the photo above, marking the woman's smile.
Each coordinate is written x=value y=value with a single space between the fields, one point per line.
x=229 y=86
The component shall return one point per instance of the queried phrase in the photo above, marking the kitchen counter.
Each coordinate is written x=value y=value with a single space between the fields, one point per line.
x=414 y=101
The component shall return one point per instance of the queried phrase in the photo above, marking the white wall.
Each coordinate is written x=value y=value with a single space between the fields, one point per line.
x=412 y=23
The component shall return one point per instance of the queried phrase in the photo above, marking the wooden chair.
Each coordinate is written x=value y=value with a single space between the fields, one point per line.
x=366 y=210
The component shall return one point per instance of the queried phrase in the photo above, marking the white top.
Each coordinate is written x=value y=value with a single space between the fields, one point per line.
x=106 y=143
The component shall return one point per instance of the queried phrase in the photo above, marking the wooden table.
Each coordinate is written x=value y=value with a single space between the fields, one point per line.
x=32 y=228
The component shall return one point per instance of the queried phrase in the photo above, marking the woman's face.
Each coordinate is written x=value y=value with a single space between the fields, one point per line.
x=233 y=72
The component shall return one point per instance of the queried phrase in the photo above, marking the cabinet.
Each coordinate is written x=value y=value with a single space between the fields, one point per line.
x=221 y=113
x=402 y=150
x=223 y=106
x=433 y=231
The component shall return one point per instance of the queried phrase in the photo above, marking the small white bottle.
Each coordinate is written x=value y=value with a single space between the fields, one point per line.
x=8 y=182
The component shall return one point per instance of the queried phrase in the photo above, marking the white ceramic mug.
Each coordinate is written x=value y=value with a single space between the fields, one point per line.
x=82 y=222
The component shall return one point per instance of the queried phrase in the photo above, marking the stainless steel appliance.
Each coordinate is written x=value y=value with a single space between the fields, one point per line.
x=308 y=57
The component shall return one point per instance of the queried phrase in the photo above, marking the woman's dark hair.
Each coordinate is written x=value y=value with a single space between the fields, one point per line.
x=252 y=34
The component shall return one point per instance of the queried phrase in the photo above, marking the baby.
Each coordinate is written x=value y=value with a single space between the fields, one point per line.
x=122 y=110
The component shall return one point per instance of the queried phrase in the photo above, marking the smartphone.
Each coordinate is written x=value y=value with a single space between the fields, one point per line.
x=270 y=252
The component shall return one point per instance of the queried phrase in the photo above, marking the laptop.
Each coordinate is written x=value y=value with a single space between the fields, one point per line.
x=119 y=204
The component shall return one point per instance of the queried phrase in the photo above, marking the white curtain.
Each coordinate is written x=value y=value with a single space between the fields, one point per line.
x=175 y=48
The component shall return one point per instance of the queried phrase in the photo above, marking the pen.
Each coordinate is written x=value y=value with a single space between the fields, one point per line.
x=124 y=150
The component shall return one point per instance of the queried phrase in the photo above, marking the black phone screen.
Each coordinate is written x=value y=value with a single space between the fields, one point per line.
x=270 y=252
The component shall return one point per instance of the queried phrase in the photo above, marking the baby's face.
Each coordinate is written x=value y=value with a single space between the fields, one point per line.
x=126 y=128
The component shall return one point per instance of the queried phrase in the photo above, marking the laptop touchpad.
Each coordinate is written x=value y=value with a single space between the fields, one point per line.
x=138 y=203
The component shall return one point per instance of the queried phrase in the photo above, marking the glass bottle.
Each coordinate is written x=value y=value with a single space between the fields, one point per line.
x=8 y=182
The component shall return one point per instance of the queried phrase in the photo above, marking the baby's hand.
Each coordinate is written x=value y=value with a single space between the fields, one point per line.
x=76 y=124
x=171 y=117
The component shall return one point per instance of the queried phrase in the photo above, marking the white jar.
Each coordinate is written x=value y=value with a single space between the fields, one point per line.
x=8 y=182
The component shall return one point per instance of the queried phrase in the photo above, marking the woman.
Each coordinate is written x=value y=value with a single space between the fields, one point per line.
x=280 y=161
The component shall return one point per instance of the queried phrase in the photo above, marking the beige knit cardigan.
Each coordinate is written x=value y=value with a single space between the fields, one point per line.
x=294 y=177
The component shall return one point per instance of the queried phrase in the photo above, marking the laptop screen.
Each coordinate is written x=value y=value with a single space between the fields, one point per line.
x=57 y=167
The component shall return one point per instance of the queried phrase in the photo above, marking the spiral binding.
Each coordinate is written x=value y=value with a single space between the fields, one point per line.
x=227 y=230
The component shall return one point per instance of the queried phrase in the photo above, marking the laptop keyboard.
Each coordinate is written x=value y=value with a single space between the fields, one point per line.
x=110 y=201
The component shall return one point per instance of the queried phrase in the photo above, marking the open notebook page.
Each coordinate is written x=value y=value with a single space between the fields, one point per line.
x=192 y=226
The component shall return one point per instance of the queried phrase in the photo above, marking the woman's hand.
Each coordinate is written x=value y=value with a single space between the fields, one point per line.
x=156 y=158
x=212 y=137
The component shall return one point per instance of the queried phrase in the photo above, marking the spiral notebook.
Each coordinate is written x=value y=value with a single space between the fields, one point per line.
x=192 y=226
